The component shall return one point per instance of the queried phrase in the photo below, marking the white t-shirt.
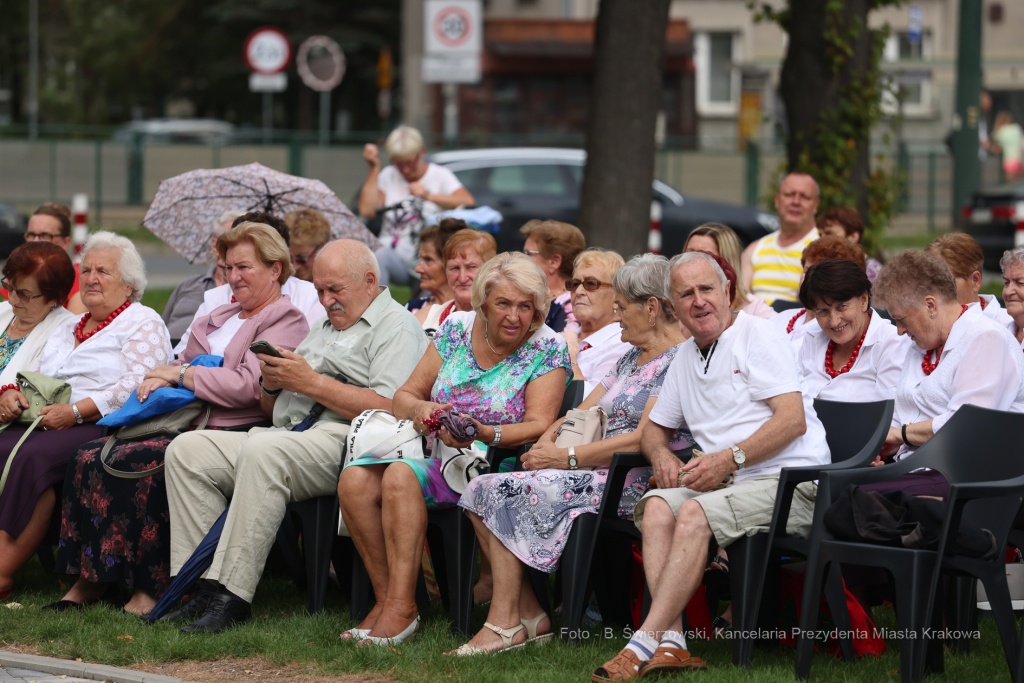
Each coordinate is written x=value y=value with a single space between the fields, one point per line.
x=722 y=399
x=436 y=180
x=599 y=353
x=222 y=336
x=800 y=328
x=994 y=311
x=302 y=294
x=874 y=374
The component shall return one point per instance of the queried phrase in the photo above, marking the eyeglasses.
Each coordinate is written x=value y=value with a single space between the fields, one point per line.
x=22 y=294
x=39 y=236
x=590 y=284
x=303 y=260
x=530 y=252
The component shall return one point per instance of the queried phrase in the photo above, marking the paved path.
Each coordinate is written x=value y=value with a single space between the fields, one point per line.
x=20 y=668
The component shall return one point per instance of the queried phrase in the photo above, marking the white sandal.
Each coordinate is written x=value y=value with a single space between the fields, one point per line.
x=531 y=630
x=405 y=635
x=507 y=634
x=355 y=634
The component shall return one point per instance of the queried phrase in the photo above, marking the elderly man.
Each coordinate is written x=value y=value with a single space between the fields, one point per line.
x=737 y=383
x=771 y=265
x=369 y=339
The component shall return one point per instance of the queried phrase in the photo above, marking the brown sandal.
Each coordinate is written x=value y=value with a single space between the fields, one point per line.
x=669 y=659
x=624 y=666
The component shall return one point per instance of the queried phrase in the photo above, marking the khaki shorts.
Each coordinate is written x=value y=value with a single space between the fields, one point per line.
x=743 y=509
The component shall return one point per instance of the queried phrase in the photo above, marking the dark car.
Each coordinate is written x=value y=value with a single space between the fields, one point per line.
x=527 y=183
x=12 y=229
x=995 y=217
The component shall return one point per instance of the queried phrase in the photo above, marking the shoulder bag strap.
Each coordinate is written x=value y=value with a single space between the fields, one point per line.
x=109 y=445
x=394 y=441
x=14 y=451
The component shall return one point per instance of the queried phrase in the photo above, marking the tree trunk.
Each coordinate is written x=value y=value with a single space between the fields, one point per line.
x=813 y=91
x=629 y=55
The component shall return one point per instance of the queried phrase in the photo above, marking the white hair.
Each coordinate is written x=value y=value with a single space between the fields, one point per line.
x=404 y=142
x=692 y=257
x=130 y=265
x=1012 y=257
x=227 y=217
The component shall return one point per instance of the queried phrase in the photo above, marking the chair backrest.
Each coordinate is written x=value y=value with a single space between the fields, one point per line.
x=851 y=427
x=780 y=305
x=573 y=396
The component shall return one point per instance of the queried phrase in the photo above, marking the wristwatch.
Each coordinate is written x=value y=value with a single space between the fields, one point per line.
x=78 y=416
x=181 y=375
x=268 y=392
x=738 y=457
x=497 y=435
x=573 y=463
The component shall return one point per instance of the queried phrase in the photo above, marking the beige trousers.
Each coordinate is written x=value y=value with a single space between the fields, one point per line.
x=260 y=472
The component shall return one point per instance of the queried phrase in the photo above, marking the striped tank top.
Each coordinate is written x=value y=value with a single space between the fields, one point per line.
x=776 y=270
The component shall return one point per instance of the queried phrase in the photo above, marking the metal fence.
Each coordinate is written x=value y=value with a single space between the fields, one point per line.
x=59 y=165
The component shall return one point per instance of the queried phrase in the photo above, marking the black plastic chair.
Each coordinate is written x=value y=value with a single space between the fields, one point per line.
x=780 y=305
x=855 y=433
x=318 y=525
x=978 y=452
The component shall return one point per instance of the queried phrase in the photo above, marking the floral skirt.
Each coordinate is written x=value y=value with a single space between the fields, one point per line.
x=436 y=492
x=532 y=512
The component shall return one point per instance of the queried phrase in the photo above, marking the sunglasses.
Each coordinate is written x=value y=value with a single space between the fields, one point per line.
x=22 y=294
x=590 y=284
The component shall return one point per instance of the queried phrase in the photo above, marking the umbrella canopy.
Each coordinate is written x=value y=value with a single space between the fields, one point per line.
x=185 y=206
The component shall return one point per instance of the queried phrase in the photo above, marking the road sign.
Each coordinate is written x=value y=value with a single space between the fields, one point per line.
x=453 y=38
x=453 y=69
x=268 y=51
x=271 y=83
x=915 y=20
x=320 y=63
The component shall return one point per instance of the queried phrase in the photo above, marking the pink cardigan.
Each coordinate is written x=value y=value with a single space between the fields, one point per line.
x=234 y=390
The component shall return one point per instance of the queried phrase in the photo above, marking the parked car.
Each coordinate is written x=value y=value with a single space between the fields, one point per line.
x=12 y=229
x=198 y=131
x=527 y=183
x=995 y=217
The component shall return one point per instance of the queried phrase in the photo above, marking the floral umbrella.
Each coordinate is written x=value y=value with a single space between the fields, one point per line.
x=185 y=207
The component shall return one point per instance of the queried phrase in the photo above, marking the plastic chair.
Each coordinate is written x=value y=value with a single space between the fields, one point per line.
x=318 y=525
x=978 y=452
x=780 y=305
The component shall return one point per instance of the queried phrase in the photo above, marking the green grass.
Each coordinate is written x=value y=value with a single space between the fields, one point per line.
x=156 y=298
x=283 y=633
x=136 y=233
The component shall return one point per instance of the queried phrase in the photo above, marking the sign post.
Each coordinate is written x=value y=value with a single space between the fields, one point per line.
x=267 y=53
x=321 y=66
x=453 y=39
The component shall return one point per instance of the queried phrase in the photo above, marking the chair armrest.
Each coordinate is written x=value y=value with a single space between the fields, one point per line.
x=987 y=489
x=838 y=479
x=622 y=463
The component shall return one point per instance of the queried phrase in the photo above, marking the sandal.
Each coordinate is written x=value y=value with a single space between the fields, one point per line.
x=624 y=666
x=507 y=634
x=668 y=659
x=531 y=629
x=355 y=633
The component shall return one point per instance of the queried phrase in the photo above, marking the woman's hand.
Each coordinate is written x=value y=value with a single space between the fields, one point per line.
x=450 y=441
x=12 y=404
x=151 y=384
x=167 y=373
x=57 y=416
x=545 y=455
x=893 y=441
x=423 y=411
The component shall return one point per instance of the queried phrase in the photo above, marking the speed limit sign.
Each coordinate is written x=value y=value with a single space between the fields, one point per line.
x=268 y=51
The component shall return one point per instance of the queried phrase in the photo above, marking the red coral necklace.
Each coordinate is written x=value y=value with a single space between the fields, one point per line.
x=81 y=336
x=927 y=364
x=792 y=323
x=830 y=368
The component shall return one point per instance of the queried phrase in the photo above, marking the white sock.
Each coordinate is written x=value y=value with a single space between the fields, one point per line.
x=642 y=645
x=674 y=639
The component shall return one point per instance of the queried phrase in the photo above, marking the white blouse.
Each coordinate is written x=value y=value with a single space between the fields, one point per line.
x=994 y=310
x=1012 y=327
x=981 y=364
x=800 y=327
x=599 y=353
x=109 y=365
x=874 y=374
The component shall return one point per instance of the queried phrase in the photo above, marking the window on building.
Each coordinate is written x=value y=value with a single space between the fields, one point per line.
x=716 y=55
x=904 y=62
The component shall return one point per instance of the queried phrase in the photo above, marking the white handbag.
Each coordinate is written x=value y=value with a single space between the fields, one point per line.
x=459 y=466
x=379 y=435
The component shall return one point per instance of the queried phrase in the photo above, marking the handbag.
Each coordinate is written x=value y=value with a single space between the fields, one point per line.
x=39 y=391
x=459 y=466
x=581 y=427
x=379 y=435
x=169 y=424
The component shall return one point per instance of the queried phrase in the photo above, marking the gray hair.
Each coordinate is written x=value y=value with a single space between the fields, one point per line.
x=693 y=257
x=1012 y=257
x=226 y=217
x=404 y=142
x=642 y=277
x=130 y=265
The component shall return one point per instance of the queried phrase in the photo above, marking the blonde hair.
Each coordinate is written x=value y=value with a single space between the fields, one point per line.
x=596 y=256
x=268 y=243
x=308 y=227
x=521 y=272
x=404 y=142
x=479 y=241
x=731 y=250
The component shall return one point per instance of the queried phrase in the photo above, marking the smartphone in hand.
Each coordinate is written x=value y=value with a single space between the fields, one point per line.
x=264 y=348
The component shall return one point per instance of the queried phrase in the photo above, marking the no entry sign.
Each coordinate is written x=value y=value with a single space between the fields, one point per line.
x=268 y=51
x=452 y=27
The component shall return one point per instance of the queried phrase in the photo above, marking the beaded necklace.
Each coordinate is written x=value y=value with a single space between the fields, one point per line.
x=830 y=369
x=792 y=323
x=927 y=364
x=81 y=336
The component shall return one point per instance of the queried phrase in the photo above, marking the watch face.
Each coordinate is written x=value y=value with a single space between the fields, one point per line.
x=572 y=461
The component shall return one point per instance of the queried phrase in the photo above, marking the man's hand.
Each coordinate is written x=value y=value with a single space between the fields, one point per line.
x=707 y=472
x=416 y=189
x=291 y=372
x=666 y=469
x=371 y=154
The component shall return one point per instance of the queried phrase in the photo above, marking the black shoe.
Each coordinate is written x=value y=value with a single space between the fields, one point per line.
x=226 y=610
x=194 y=608
x=63 y=606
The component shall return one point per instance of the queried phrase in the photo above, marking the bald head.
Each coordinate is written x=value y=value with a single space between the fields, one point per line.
x=345 y=275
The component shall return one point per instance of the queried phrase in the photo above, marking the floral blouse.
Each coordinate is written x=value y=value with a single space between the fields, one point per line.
x=560 y=317
x=495 y=396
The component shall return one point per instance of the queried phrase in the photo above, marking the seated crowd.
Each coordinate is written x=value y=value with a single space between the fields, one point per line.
x=676 y=353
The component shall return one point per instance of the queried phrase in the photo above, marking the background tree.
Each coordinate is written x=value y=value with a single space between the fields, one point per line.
x=629 y=55
x=832 y=88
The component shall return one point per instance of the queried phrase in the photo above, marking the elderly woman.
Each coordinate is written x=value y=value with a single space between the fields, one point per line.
x=524 y=518
x=720 y=240
x=103 y=356
x=554 y=247
x=498 y=364
x=599 y=345
x=1012 y=264
x=115 y=530
x=961 y=356
x=465 y=253
x=433 y=279
x=409 y=175
x=797 y=323
x=966 y=261
x=308 y=231
x=851 y=354
x=845 y=222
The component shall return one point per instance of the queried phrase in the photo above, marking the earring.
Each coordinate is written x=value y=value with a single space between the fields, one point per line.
x=652 y=322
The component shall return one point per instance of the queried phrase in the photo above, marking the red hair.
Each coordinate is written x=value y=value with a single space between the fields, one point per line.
x=49 y=264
